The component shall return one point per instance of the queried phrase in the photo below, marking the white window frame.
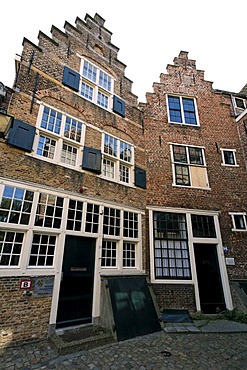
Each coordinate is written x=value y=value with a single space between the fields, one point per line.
x=96 y=86
x=235 y=103
x=60 y=140
x=189 y=165
x=240 y=214
x=233 y=151
x=116 y=175
x=182 y=110
x=62 y=229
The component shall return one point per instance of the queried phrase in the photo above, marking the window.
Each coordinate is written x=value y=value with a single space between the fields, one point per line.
x=10 y=248
x=118 y=160
x=74 y=217
x=239 y=221
x=129 y=254
x=42 y=250
x=60 y=138
x=96 y=85
x=130 y=225
x=189 y=167
x=111 y=221
x=171 y=254
x=203 y=226
x=122 y=227
x=182 y=110
x=16 y=205
x=240 y=103
x=228 y=157
x=49 y=211
x=109 y=254
x=92 y=218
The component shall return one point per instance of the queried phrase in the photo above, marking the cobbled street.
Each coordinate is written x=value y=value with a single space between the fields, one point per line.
x=183 y=351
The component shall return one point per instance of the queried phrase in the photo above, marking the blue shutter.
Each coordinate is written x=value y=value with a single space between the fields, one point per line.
x=91 y=159
x=21 y=135
x=140 y=177
x=71 y=78
x=118 y=106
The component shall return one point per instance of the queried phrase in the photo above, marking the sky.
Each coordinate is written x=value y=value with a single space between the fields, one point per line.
x=149 y=34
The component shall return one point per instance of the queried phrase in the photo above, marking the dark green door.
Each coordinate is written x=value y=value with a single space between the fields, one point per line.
x=76 y=288
x=133 y=308
x=209 y=278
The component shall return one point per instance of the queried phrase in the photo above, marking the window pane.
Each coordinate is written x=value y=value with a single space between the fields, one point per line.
x=179 y=154
x=42 y=250
x=239 y=222
x=229 y=157
x=171 y=246
x=110 y=145
x=189 y=111
x=86 y=91
x=46 y=147
x=182 y=175
x=102 y=100
x=10 y=248
x=174 y=109
x=203 y=226
x=89 y=71
x=51 y=120
x=73 y=129
x=195 y=155
x=109 y=254
x=105 y=81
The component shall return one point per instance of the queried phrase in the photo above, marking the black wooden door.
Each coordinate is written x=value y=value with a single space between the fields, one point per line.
x=76 y=289
x=209 y=278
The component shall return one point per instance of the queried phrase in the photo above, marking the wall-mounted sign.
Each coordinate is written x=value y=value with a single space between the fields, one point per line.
x=25 y=284
x=43 y=286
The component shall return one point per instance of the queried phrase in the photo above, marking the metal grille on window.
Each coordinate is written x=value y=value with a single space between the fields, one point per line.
x=16 y=205
x=74 y=217
x=10 y=248
x=49 y=211
x=42 y=250
x=109 y=254
x=92 y=218
x=171 y=254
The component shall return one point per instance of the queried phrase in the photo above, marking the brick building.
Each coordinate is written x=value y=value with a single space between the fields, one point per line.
x=196 y=190
x=95 y=187
x=72 y=185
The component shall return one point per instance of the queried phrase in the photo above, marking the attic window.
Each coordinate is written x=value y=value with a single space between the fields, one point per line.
x=240 y=103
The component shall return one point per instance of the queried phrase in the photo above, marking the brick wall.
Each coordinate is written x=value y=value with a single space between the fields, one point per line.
x=23 y=318
x=175 y=296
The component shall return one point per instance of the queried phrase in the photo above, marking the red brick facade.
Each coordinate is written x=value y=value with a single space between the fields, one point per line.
x=132 y=187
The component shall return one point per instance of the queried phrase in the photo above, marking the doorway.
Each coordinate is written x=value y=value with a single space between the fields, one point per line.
x=209 y=278
x=77 y=280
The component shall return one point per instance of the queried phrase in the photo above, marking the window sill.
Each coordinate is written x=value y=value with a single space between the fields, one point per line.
x=229 y=165
x=184 y=124
x=116 y=181
x=172 y=281
x=190 y=187
x=239 y=230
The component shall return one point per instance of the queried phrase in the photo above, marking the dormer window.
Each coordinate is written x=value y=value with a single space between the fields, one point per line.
x=240 y=103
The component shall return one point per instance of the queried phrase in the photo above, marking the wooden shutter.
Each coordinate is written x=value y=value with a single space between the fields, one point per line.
x=21 y=135
x=140 y=177
x=71 y=78
x=118 y=106
x=91 y=159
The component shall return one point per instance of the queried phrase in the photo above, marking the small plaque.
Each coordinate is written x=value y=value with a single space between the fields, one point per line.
x=43 y=286
x=25 y=284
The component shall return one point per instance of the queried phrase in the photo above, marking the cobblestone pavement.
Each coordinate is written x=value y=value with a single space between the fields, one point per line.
x=157 y=351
